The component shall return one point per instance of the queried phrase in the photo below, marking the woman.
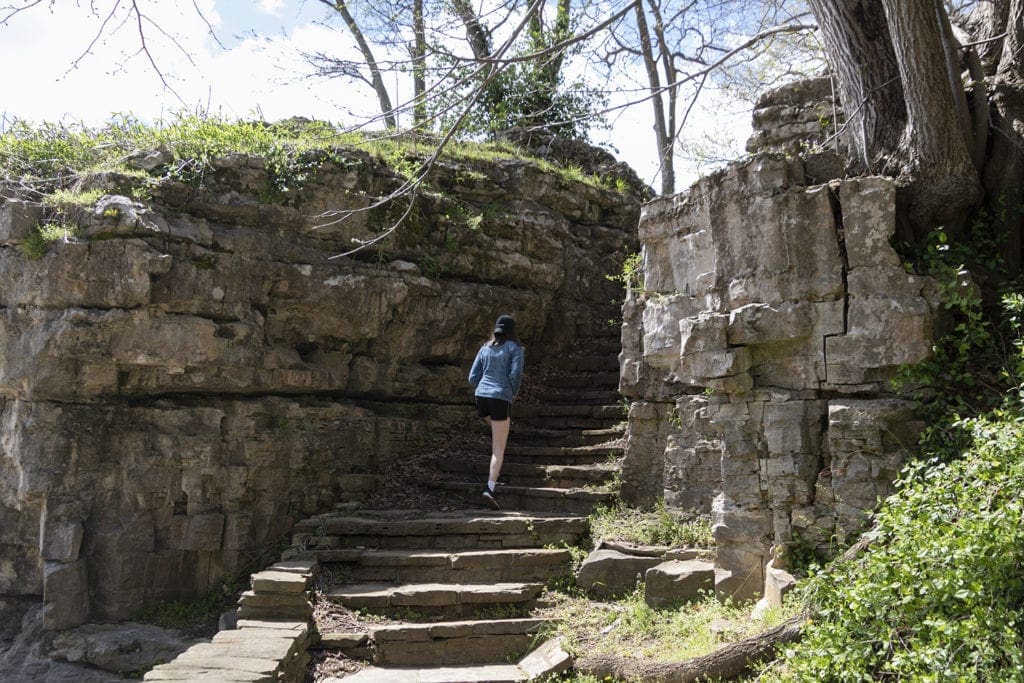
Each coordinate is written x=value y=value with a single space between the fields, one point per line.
x=497 y=373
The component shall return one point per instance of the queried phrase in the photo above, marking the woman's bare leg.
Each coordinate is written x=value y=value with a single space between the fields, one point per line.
x=499 y=437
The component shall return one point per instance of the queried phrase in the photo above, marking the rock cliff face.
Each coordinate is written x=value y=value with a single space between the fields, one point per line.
x=757 y=353
x=191 y=375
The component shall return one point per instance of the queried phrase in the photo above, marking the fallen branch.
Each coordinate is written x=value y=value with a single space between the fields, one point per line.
x=725 y=663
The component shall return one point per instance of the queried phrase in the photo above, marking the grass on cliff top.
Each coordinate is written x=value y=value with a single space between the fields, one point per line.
x=51 y=155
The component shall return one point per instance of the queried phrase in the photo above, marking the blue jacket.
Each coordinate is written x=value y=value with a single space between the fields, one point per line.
x=497 y=371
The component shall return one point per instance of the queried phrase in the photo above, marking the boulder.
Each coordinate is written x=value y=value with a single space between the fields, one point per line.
x=121 y=648
x=610 y=572
x=677 y=581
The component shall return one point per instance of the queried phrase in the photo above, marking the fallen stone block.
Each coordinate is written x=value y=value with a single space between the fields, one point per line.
x=677 y=581
x=547 y=659
x=609 y=572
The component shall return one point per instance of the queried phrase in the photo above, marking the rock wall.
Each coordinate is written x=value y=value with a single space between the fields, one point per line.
x=191 y=374
x=757 y=353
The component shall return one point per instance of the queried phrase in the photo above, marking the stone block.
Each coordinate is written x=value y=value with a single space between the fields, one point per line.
x=18 y=219
x=548 y=659
x=777 y=583
x=120 y=648
x=609 y=572
x=270 y=581
x=760 y=323
x=869 y=221
x=677 y=581
x=60 y=540
x=65 y=595
x=204 y=532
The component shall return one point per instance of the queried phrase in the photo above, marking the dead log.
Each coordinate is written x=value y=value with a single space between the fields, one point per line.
x=724 y=663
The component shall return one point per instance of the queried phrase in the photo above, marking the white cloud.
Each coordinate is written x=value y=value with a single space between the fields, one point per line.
x=272 y=6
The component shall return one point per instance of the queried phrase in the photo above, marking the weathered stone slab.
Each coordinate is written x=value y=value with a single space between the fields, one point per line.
x=279 y=582
x=18 y=219
x=304 y=567
x=301 y=611
x=221 y=659
x=489 y=673
x=550 y=658
x=777 y=583
x=263 y=599
x=254 y=647
x=296 y=626
x=609 y=572
x=195 y=673
x=343 y=640
x=65 y=594
x=121 y=648
x=677 y=581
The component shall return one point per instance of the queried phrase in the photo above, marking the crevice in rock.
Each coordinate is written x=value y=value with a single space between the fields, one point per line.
x=837 y=215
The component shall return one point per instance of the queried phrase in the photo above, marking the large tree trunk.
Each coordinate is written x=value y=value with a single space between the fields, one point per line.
x=860 y=51
x=899 y=82
x=943 y=182
x=1003 y=176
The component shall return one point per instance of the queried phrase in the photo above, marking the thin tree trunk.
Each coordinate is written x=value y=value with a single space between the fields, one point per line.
x=419 y=65
x=375 y=78
x=668 y=169
x=479 y=40
x=662 y=134
x=860 y=52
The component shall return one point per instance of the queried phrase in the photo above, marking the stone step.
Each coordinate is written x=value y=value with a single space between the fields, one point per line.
x=577 y=397
x=587 y=380
x=464 y=529
x=574 y=500
x=419 y=566
x=599 y=362
x=484 y=673
x=555 y=455
x=447 y=599
x=533 y=474
x=577 y=422
x=541 y=410
x=562 y=436
x=482 y=641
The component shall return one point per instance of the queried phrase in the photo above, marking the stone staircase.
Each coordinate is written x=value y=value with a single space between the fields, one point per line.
x=454 y=592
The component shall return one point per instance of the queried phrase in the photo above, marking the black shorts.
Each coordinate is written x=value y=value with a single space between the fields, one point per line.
x=494 y=408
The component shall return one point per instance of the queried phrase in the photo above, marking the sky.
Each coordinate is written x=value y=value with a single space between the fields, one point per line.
x=251 y=67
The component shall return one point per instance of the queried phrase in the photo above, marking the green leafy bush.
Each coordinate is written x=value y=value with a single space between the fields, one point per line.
x=940 y=595
x=38 y=242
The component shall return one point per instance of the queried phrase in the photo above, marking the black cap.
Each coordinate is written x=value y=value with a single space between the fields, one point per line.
x=505 y=325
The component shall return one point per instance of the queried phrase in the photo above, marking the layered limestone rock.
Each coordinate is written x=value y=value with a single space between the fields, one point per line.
x=757 y=358
x=188 y=376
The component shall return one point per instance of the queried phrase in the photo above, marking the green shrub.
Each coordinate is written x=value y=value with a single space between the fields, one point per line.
x=940 y=595
x=38 y=242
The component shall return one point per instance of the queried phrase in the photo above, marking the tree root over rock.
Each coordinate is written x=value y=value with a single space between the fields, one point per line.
x=724 y=663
